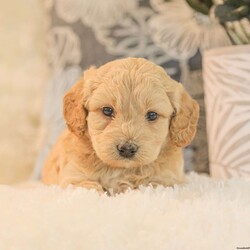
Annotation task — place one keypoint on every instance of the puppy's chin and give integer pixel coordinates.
(119, 162)
(123, 163)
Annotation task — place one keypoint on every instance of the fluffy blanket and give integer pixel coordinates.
(202, 214)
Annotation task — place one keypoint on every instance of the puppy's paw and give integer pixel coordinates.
(91, 185)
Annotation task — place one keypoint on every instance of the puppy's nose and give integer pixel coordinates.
(127, 150)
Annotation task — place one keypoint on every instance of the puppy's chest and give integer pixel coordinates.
(122, 179)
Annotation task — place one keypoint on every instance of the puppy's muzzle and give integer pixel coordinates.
(127, 150)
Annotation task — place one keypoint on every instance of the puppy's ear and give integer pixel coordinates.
(185, 117)
(73, 109)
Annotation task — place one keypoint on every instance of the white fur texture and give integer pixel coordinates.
(203, 214)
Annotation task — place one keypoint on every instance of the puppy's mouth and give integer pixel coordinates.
(126, 155)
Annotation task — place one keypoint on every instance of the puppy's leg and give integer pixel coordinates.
(83, 183)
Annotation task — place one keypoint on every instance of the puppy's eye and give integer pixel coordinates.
(151, 116)
(108, 111)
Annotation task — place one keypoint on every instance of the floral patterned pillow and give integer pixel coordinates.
(93, 32)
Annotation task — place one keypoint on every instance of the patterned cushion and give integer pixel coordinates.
(93, 32)
(227, 88)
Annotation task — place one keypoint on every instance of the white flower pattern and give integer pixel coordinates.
(182, 34)
(95, 13)
(131, 37)
(64, 47)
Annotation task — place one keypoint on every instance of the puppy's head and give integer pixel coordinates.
(131, 110)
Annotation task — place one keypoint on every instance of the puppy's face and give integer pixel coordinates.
(129, 108)
(128, 120)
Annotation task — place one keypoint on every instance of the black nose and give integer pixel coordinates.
(127, 150)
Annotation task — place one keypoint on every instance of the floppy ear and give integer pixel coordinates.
(73, 109)
(185, 118)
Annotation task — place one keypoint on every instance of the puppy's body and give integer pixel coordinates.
(87, 154)
(83, 167)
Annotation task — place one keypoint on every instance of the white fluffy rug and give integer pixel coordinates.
(203, 214)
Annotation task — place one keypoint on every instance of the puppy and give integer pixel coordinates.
(127, 123)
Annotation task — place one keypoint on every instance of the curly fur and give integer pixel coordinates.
(86, 153)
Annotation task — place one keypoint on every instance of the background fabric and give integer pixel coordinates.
(227, 87)
(92, 32)
(23, 75)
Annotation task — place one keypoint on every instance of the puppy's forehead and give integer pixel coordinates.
(131, 73)
(130, 83)
(134, 67)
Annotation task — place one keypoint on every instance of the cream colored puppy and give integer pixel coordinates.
(127, 123)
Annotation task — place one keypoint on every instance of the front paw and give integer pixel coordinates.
(91, 185)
